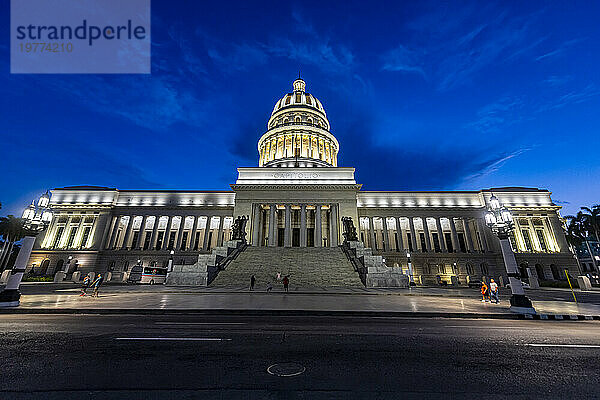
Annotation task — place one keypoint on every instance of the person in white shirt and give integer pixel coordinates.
(494, 291)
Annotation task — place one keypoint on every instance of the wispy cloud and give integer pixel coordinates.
(572, 97)
(506, 111)
(451, 47)
(557, 80)
(560, 50)
(492, 165)
(402, 59)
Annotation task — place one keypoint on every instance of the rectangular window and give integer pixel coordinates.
(184, 239)
(134, 240)
(171, 244)
(449, 245)
(409, 241)
(540, 235)
(436, 242)
(461, 242)
(159, 240)
(527, 239)
(147, 240)
(59, 233)
(86, 235)
(423, 245)
(71, 237)
(196, 241)
(513, 242)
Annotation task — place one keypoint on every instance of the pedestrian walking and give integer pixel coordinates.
(278, 276)
(252, 282)
(494, 291)
(86, 285)
(286, 283)
(484, 291)
(96, 284)
(269, 287)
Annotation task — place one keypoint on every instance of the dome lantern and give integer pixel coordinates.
(298, 133)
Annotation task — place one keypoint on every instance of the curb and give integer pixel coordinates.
(299, 313)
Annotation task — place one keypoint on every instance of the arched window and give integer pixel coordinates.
(287, 100)
(540, 272)
(298, 119)
(484, 268)
(470, 270)
(44, 267)
(523, 270)
(111, 266)
(555, 272)
(59, 265)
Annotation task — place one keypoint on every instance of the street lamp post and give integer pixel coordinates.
(36, 218)
(500, 221)
(170, 263)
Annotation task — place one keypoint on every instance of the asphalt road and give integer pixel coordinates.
(185, 357)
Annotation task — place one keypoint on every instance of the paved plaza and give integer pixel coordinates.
(424, 301)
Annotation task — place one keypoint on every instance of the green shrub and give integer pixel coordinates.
(38, 279)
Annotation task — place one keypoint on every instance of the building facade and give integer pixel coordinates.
(296, 197)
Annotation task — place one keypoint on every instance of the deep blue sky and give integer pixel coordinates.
(421, 96)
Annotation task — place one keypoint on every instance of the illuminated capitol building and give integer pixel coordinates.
(294, 201)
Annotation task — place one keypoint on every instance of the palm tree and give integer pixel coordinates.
(592, 217)
(579, 228)
(12, 230)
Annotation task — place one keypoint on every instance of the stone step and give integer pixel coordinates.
(325, 267)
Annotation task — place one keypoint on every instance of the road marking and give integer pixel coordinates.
(200, 323)
(485, 327)
(582, 346)
(174, 339)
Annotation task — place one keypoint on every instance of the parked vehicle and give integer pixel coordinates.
(154, 275)
(135, 275)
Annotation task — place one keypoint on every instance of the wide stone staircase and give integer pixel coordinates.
(306, 267)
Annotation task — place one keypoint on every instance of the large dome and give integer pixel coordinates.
(298, 133)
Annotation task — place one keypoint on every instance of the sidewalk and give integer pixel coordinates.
(426, 302)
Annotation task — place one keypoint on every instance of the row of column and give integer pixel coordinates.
(269, 225)
(416, 243)
(191, 240)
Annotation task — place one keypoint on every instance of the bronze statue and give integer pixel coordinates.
(238, 231)
(349, 230)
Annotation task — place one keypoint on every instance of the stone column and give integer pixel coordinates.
(106, 238)
(318, 237)
(220, 231)
(128, 232)
(287, 238)
(113, 236)
(206, 233)
(481, 229)
(165, 242)
(255, 224)
(193, 233)
(455, 242)
(333, 242)
(426, 232)
(440, 232)
(180, 233)
(154, 232)
(272, 215)
(468, 237)
(386, 238)
(303, 225)
(413, 235)
(372, 233)
(138, 245)
(399, 235)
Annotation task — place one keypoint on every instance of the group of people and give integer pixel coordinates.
(489, 292)
(88, 283)
(285, 281)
